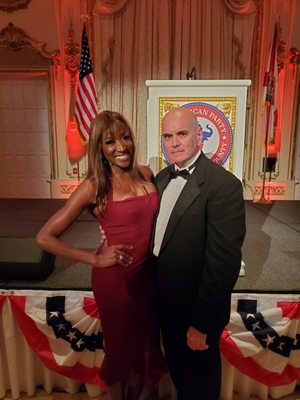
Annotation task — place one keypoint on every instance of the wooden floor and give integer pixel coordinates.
(41, 395)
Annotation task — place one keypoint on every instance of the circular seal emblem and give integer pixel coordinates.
(217, 132)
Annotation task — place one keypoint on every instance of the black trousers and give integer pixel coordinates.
(196, 374)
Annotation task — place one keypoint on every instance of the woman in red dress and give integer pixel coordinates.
(125, 203)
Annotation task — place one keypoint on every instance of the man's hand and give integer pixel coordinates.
(196, 340)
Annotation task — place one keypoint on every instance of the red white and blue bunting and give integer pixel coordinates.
(262, 339)
(63, 329)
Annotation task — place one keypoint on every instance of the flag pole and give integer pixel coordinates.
(263, 199)
(78, 171)
(269, 82)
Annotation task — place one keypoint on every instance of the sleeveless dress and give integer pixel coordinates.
(126, 296)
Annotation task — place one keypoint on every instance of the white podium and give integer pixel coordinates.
(220, 107)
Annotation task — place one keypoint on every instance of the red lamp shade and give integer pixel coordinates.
(272, 149)
(75, 148)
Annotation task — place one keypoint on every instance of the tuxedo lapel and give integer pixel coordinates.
(162, 184)
(190, 192)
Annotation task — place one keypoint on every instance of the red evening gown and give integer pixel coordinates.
(126, 296)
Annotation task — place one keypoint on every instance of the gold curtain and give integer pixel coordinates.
(163, 39)
(130, 48)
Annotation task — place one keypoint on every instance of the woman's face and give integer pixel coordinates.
(118, 147)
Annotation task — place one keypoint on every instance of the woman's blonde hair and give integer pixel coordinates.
(98, 167)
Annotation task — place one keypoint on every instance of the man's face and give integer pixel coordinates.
(181, 136)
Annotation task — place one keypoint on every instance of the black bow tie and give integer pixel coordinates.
(185, 173)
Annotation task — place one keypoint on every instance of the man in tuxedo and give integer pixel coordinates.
(198, 237)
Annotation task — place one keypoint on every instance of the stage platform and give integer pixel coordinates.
(271, 250)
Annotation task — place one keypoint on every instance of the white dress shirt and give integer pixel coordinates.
(168, 201)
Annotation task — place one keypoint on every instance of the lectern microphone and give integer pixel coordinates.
(191, 74)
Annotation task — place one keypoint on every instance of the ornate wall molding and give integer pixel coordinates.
(274, 190)
(17, 50)
(281, 54)
(72, 52)
(13, 5)
(294, 56)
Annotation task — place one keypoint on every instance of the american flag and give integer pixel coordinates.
(86, 100)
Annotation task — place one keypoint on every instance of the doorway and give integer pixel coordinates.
(25, 156)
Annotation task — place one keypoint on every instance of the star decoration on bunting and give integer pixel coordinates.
(269, 339)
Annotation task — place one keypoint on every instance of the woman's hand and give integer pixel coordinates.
(112, 255)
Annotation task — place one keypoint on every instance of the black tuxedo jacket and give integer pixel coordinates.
(200, 256)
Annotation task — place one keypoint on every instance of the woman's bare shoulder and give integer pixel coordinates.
(86, 191)
(90, 184)
(147, 172)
